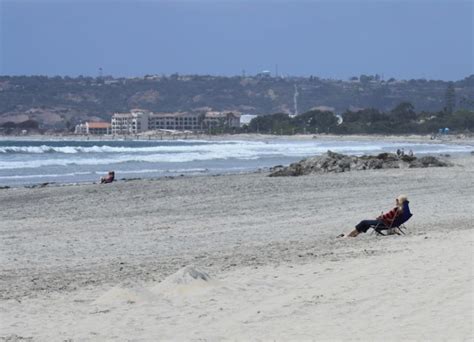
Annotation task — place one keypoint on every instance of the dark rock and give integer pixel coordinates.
(430, 161)
(407, 158)
(42, 185)
(336, 162)
(385, 156)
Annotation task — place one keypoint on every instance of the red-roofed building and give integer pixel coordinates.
(93, 128)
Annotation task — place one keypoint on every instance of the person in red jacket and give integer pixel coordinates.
(386, 219)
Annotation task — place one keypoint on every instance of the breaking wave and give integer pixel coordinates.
(292, 148)
(93, 149)
(21, 161)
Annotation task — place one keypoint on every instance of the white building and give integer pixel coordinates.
(222, 119)
(175, 121)
(130, 123)
(138, 121)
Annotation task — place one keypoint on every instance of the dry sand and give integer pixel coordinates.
(105, 262)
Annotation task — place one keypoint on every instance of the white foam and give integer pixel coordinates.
(186, 147)
(206, 151)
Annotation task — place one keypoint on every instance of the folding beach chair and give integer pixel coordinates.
(397, 225)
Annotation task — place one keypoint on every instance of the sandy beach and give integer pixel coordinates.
(114, 262)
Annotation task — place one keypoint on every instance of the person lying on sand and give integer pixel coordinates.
(385, 220)
(109, 178)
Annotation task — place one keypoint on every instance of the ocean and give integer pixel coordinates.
(28, 162)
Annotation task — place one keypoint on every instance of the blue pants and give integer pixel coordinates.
(364, 225)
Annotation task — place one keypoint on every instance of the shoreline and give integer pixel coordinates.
(451, 138)
(261, 170)
(135, 179)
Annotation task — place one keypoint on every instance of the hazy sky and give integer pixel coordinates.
(336, 39)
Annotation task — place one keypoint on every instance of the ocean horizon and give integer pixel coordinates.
(36, 161)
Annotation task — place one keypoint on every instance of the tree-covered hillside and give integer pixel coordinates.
(63, 101)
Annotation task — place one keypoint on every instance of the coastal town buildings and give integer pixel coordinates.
(222, 119)
(138, 121)
(175, 121)
(130, 123)
(93, 128)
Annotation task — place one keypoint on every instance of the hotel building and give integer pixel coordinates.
(130, 123)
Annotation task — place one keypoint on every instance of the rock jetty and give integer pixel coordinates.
(336, 162)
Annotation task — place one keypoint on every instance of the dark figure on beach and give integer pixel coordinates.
(384, 220)
(108, 179)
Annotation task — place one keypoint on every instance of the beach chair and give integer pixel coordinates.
(397, 226)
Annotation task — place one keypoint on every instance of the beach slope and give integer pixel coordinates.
(119, 261)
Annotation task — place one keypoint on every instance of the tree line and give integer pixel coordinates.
(403, 119)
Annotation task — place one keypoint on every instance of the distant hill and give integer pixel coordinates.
(62, 102)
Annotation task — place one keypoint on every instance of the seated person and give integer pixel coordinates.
(384, 220)
(109, 178)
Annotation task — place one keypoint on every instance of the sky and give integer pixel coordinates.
(329, 39)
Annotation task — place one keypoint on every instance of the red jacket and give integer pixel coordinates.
(389, 217)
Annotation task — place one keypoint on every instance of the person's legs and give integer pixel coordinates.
(361, 227)
(353, 233)
(364, 225)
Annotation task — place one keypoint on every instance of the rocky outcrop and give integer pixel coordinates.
(335, 162)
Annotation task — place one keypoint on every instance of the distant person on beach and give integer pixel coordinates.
(400, 153)
(384, 220)
(108, 179)
(410, 153)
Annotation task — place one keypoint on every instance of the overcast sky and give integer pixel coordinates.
(329, 39)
